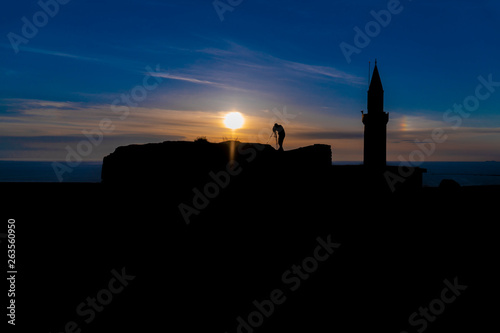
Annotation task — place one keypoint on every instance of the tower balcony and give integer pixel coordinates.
(381, 118)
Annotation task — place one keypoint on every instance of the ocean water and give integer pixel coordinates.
(465, 173)
(23, 171)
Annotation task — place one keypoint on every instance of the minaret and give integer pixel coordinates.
(375, 122)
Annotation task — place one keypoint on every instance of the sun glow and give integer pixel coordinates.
(234, 120)
(404, 124)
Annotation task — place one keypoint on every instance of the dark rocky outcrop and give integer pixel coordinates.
(185, 162)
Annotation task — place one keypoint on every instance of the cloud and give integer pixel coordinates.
(188, 79)
(325, 72)
(53, 53)
(198, 81)
(238, 66)
(479, 130)
(243, 56)
(425, 134)
(50, 119)
(119, 62)
(42, 129)
(330, 135)
(22, 105)
(55, 148)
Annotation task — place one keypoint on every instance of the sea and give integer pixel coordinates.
(464, 173)
(43, 172)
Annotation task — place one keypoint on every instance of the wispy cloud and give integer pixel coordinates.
(27, 117)
(191, 79)
(252, 66)
(112, 61)
(21, 105)
(330, 135)
(181, 78)
(53, 53)
(31, 128)
(326, 72)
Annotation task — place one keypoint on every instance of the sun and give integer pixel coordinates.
(234, 120)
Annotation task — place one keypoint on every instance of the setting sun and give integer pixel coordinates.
(234, 120)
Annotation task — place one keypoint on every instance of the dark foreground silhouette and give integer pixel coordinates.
(179, 238)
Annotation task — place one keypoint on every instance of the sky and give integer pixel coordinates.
(84, 77)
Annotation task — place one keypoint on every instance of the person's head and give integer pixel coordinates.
(276, 125)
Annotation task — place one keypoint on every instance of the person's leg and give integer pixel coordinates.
(280, 141)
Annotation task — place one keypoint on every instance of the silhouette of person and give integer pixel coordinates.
(279, 132)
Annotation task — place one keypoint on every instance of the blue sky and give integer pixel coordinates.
(264, 59)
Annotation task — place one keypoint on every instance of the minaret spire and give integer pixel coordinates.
(375, 122)
(376, 93)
